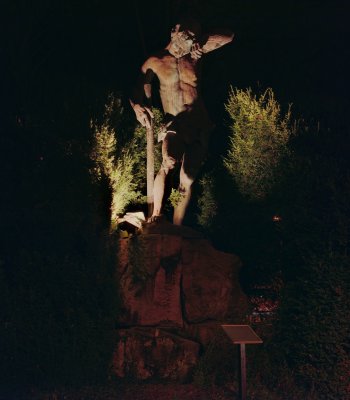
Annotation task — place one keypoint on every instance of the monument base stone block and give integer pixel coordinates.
(176, 290)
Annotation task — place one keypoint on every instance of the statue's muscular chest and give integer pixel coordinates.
(172, 71)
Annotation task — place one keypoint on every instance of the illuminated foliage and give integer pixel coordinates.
(258, 141)
(116, 168)
(119, 156)
(207, 202)
(175, 197)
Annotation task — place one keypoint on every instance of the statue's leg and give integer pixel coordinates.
(158, 190)
(192, 161)
(171, 151)
(185, 188)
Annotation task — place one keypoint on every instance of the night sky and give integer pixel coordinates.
(59, 54)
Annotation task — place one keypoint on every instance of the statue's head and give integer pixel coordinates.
(183, 35)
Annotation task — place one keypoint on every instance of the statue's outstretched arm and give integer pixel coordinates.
(214, 41)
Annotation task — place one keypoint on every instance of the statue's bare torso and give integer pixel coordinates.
(178, 80)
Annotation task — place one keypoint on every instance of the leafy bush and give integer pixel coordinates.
(120, 157)
(309, 244)
(207, 202)
(313, 329)
(57, 289)
(116, 168)
(258, 141)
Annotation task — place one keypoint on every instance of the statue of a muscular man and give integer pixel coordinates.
(187, 124)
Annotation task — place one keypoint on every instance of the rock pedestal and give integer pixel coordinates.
(176, 290)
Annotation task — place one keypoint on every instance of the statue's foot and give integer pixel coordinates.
(155, 219)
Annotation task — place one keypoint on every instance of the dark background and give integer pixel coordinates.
(56, 54)
(59, 62)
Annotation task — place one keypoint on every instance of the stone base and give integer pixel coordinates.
(145, 353)
(171, 279)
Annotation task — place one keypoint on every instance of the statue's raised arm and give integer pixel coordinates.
(216, 40)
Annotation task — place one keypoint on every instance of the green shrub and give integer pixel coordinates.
(57, 273)
(116, 168)
(119, 156)
(258, 141)
(313, 329)
(207, 202)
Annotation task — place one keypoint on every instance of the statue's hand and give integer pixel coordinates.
(196, 51)
(163, 130)
(144, 115)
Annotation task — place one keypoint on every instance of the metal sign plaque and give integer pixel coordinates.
(241, 334)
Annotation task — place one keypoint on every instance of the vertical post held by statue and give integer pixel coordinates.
(150, 169)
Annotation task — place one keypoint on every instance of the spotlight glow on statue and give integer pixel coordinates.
(186, 123)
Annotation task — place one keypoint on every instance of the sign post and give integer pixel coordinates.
(242, 335)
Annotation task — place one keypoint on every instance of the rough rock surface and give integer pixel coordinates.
(145, 353)
(150, 281)
(176, 290)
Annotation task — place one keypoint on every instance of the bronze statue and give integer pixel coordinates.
(186, 123)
